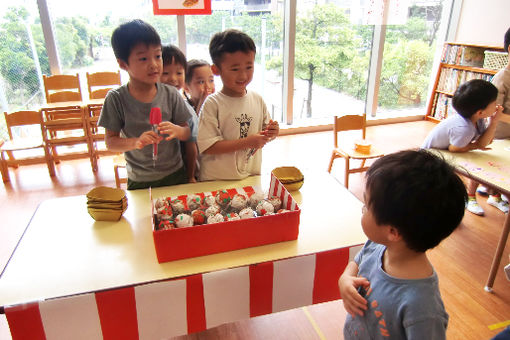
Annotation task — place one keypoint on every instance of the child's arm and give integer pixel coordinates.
(349, 283)
(116, 143)
(486, 138)
(181, 132)
(255, 141)
(191, 160)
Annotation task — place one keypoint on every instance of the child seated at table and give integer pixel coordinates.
(174, 74)
(234, 123)
(126, 111)
(199, 82)
(466, 130)
(413, 200)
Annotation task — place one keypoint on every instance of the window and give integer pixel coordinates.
(264, 24)
(331, 63)
(337, 68)
(409, 50)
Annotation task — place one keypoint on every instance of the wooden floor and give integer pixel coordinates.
(462, 261)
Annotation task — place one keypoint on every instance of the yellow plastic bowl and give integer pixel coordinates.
(291, 178)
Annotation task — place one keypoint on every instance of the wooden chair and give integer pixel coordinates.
(100, 83)
(67, 127)
(96, 137)
(19, 145)
(96, 134)
(119, 162)
(62, 88)
(346, 123)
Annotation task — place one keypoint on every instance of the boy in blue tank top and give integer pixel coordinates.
(413, 200)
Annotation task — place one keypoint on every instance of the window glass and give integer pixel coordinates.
(407, 60)
(332, 61)
(263, 22)
(21, 44)
(83, 31)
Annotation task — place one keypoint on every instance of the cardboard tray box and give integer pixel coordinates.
(181, 243)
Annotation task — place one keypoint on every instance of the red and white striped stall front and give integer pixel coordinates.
(102, 280)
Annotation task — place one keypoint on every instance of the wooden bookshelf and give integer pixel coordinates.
(459, 63)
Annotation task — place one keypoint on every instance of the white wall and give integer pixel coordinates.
(483, 22)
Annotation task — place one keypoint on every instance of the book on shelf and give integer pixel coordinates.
(442, 106)
(472, 56)
(450, 78)
(463, 55)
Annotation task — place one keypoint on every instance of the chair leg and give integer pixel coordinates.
(50, 162)
(331, 162)
(117, 177)
(13, 160)
(4, 168)
(362, 163)
(54, 153)
(346, 180)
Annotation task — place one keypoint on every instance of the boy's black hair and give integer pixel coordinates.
(192, 65)
(506, 42)
(130, 34)
(229, 41)
(171, 53)
(473, 95)
(418, 193)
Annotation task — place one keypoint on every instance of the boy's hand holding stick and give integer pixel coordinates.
(270, 132)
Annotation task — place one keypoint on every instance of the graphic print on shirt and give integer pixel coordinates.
(244, 125)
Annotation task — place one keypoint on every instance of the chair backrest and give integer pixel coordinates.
(349, 122)
(68, 120)
(100, 83)
(21, 118)
(62, 88)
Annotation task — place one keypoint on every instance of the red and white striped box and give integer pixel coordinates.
(181, 243)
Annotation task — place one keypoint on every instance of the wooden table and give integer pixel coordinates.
(64, 254)
(491, 168)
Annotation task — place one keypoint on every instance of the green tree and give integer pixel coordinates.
(73, 41)
(325, 47)
(405, 74)
(17, 67)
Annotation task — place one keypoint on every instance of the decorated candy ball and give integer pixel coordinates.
(177, 206)
(193, 201)
(212, 210)
(198, 216)
(238, 202)
(160, 203)
(165, 210)
(223, 198)
(247, 213)
(165, 225)
(276, 202)
(232, 217)
(255, 198)
(264, 208)
(215, 218)
(183, 220)
(209, 200)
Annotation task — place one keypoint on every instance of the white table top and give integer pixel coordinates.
(65, 252)
(490, 167)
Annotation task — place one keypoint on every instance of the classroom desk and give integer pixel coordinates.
(491, 168)
(67, 259)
